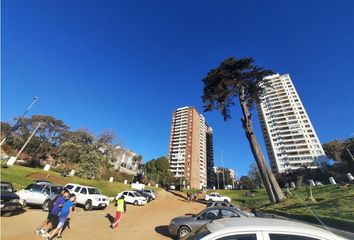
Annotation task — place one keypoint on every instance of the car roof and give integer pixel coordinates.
(267, 224)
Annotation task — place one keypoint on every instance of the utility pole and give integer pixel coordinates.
(223, 169)
(19, 120)
(24, 145)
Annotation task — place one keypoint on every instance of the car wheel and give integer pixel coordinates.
(24, 204)
(225, 200)
(88, 205)
(136, 203)
(45, 205)
(183, 231)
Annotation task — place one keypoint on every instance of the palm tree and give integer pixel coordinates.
(240, 79)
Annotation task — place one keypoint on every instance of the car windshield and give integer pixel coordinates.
(6, 187)
(94, 191)
(34, 187)
(199, 234)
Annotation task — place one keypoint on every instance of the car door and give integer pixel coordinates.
(127, 198)
(82, 195)
(76, 191)
(35, 194)
(131, 197)
(218, 197)
(204, 218)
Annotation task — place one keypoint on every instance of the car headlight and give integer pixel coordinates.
(172, 222)
(97, 199)
(15, 200)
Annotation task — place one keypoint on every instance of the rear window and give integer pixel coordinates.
(6, 187)
(56, 189)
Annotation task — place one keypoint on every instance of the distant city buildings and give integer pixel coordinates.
(290, 138)
(123, 161)
(191, 147)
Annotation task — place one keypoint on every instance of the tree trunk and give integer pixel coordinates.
(274, 192)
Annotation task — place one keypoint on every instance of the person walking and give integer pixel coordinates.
(64, 216)
(121, 208)
(54, 209)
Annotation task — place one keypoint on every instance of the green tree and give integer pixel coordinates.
(240, 79)
(255, 176)
(90, 162)
(340, 150)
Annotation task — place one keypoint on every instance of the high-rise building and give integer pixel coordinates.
(290, 138)
(190, 146)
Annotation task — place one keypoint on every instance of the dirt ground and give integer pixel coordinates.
(139, 222)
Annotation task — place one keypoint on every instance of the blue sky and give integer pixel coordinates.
(126, 65)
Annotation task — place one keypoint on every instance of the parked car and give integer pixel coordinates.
(144, 194)
(10, 201)
(132, 197)
(151, 192)
(39, 194)
(182, 226)
(216, 197)
(261, 229)
(172, 187)
(226, 204)
(88, 197)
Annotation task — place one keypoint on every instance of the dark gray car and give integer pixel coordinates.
(181, 226)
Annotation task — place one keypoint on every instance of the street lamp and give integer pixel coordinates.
(19, 120)
(223, 169)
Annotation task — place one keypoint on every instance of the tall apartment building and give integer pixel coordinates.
(290, 138)
(188, 151)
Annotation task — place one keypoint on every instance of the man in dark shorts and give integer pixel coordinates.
(52, 219)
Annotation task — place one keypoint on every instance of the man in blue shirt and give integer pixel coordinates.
(65, 215)
(54, 210)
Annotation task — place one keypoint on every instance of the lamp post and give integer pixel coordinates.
(24, 145)
(223, 169)
(19, 120)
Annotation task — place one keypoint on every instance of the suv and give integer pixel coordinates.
(39, 194)
(89, 197)
(9, 200)
(216, 197)
(132, 197)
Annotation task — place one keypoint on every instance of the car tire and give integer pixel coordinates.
(88, 205)
(225, 200)
(45, 205)
(183, 231)
(136, 203)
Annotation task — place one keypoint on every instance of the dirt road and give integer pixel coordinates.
(146, 222)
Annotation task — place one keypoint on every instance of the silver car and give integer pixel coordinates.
(39, 194)
(182, 226)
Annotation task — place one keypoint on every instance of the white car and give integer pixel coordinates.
(88, 197)
(261, 229)
(132, 197)
(216, 197)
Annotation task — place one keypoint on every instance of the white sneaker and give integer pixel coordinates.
(38, 231)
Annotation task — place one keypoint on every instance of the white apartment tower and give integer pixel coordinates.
(188, 150)
(290, 138)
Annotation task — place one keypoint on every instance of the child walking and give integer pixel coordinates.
(65, 215)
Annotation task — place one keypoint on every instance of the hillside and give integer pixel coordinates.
(21, 176)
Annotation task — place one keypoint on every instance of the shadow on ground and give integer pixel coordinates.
(163, 230)
(13, 213)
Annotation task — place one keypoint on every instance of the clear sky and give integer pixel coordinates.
(126, 65)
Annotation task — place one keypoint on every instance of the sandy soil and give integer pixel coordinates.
(144, 222)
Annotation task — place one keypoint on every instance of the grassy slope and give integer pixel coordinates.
(334, 206)
(19, 176)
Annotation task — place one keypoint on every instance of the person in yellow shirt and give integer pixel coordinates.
(121, 208)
